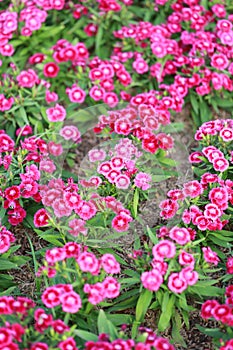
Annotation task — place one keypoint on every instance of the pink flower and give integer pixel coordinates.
(56, 114)
(212, 211)
(12, 193)
(72, 199)
(27, 78)
(220, 164)
(176, 283)
(51, 70)
(89, 263)
(28, 188)
(51, 96)
(180, 235)
(219, 196)
(71, 302)
(121, 222)
(96, 155)
(109, 264)
(54, 255)
(150, 144)
(122, 181)
(210, 256)
(164, 249)
(49, 196)
(38, 346)
(77, 226)
(189, 275)
(207, 308)
(4, 243)
(86, 210)
(51, 297)
(117, 163)
(96, 93)
(219, 10)
(140, 66)
(165, 141)
(96, 292)
(91, 29)
(72, 249)
(70, 132)
(111, 99)
(226, 134)
(152, 280)
(229, 265)
(122, 126)
(111, 287)
(55, 148)
(193, 189)
(186, 258)
(41, 218)
(61, 208)
(169, 208)
(76, 94)
(142, 180)
(219, 61)
(68, 344)
(47, 166)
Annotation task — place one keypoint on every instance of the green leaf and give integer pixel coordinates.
(224, 103)
(135, 202)
(205, 112)
(8, 291)
(152, 236)
(7, 265)
(176, 327)
(105, 326)
(23, 115)
(214, 333)
(143, 303)
(202, 290)
(125, 304)
(167, 311)
(86, 335)
(194, 103)
(119, 319)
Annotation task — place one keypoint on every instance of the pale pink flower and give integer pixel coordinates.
(142, 181)
(109, 264)
(70, 132)
(96, 155)
(47, 166)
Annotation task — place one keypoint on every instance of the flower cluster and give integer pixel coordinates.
(215, 138)
(165, 251)
(220, 312)
(86, 264)
(6, 238)
(21, 167)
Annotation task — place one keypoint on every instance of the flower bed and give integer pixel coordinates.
(120, 71)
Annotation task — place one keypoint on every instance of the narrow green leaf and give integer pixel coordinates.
(86, 335)
(143, 304)
(167, 311)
